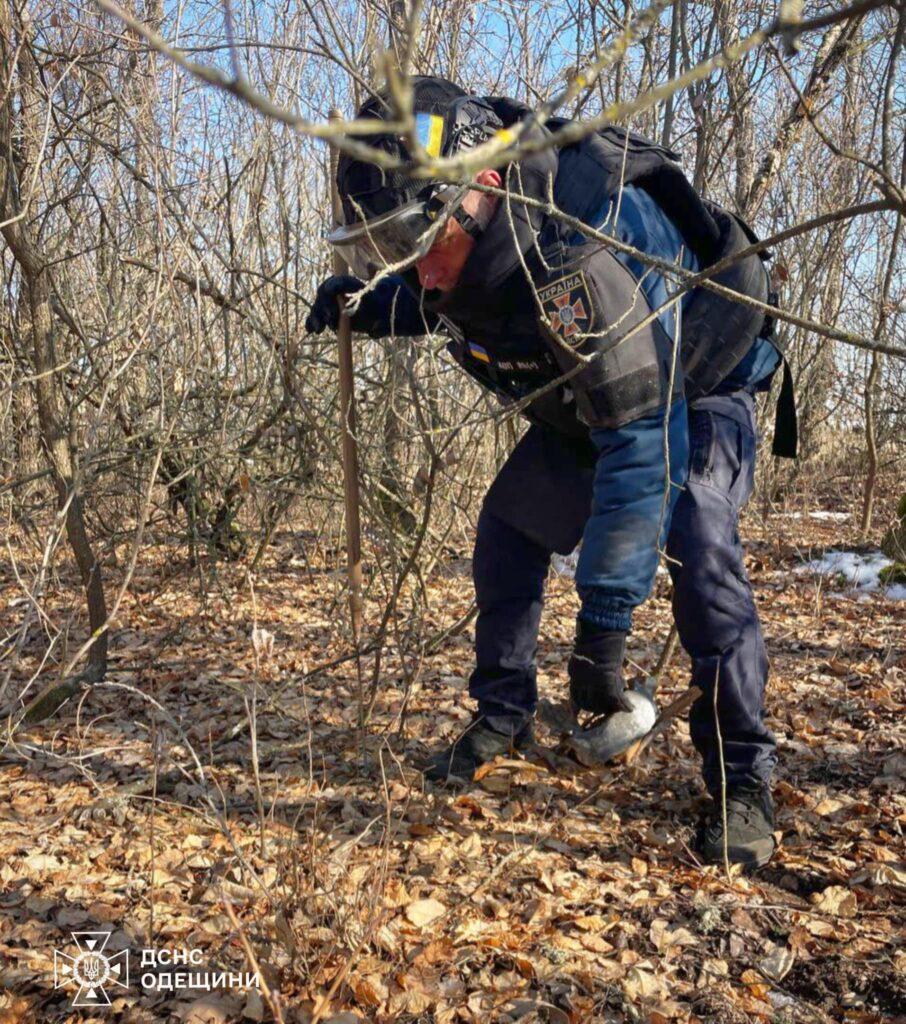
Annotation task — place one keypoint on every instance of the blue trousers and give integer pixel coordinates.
(713, 606)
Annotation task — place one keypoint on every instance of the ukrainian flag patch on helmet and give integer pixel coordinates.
(429, 130)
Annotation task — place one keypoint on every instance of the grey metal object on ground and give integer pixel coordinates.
(602, 743)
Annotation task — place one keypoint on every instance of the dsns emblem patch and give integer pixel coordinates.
(566, 304)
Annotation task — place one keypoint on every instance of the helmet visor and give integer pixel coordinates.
(399, 237)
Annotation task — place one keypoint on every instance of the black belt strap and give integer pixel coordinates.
(786, 428)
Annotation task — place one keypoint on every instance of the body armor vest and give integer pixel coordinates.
(717, 332)
(492, 314)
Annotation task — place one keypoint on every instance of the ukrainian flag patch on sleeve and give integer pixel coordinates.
(477, 352)
(429, 130)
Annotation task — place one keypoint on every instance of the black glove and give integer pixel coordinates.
(373, 317)
(596, 670)
(325, 310)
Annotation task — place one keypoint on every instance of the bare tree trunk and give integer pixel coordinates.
(836, 45)
(728, 18)
(36, 295)
(671, 71)
(871, 441)
(393, 484)
(818, 376)
(700, 104)
(871, 445)
(396, 30)
(26, 453)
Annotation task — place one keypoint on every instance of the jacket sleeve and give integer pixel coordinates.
(392, 310)
(629, 519)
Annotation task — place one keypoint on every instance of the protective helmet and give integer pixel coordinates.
(390, 216)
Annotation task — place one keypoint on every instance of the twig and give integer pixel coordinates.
(243, 90)
(506, 145)
(251, 710)
(723, 771)
(323, 1004)
(273, 999)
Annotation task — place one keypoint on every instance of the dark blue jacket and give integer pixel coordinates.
(632, 504)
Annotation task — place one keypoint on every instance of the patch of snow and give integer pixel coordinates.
(821, 516)
(861, 571)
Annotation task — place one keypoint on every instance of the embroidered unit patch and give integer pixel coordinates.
(566, 304)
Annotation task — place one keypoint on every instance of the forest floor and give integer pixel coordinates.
(541, 893)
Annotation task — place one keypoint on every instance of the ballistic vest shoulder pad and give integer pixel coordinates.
(593, 169)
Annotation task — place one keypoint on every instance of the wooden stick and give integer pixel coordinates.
(667, 652)
(348, 427)
(664, 719)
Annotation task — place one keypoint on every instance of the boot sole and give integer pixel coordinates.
(446, 778)
(755, 855)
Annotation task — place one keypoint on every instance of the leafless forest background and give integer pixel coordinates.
(169, 433)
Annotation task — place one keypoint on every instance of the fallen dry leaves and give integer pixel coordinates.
(545, 892)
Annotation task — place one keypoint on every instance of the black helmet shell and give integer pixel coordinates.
(372, 191)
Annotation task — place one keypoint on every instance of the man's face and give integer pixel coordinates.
(442, 265)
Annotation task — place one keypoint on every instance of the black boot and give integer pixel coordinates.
(478, 744)
(750, 828)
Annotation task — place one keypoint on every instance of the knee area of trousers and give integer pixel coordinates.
(702, 570)
(688, 537)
